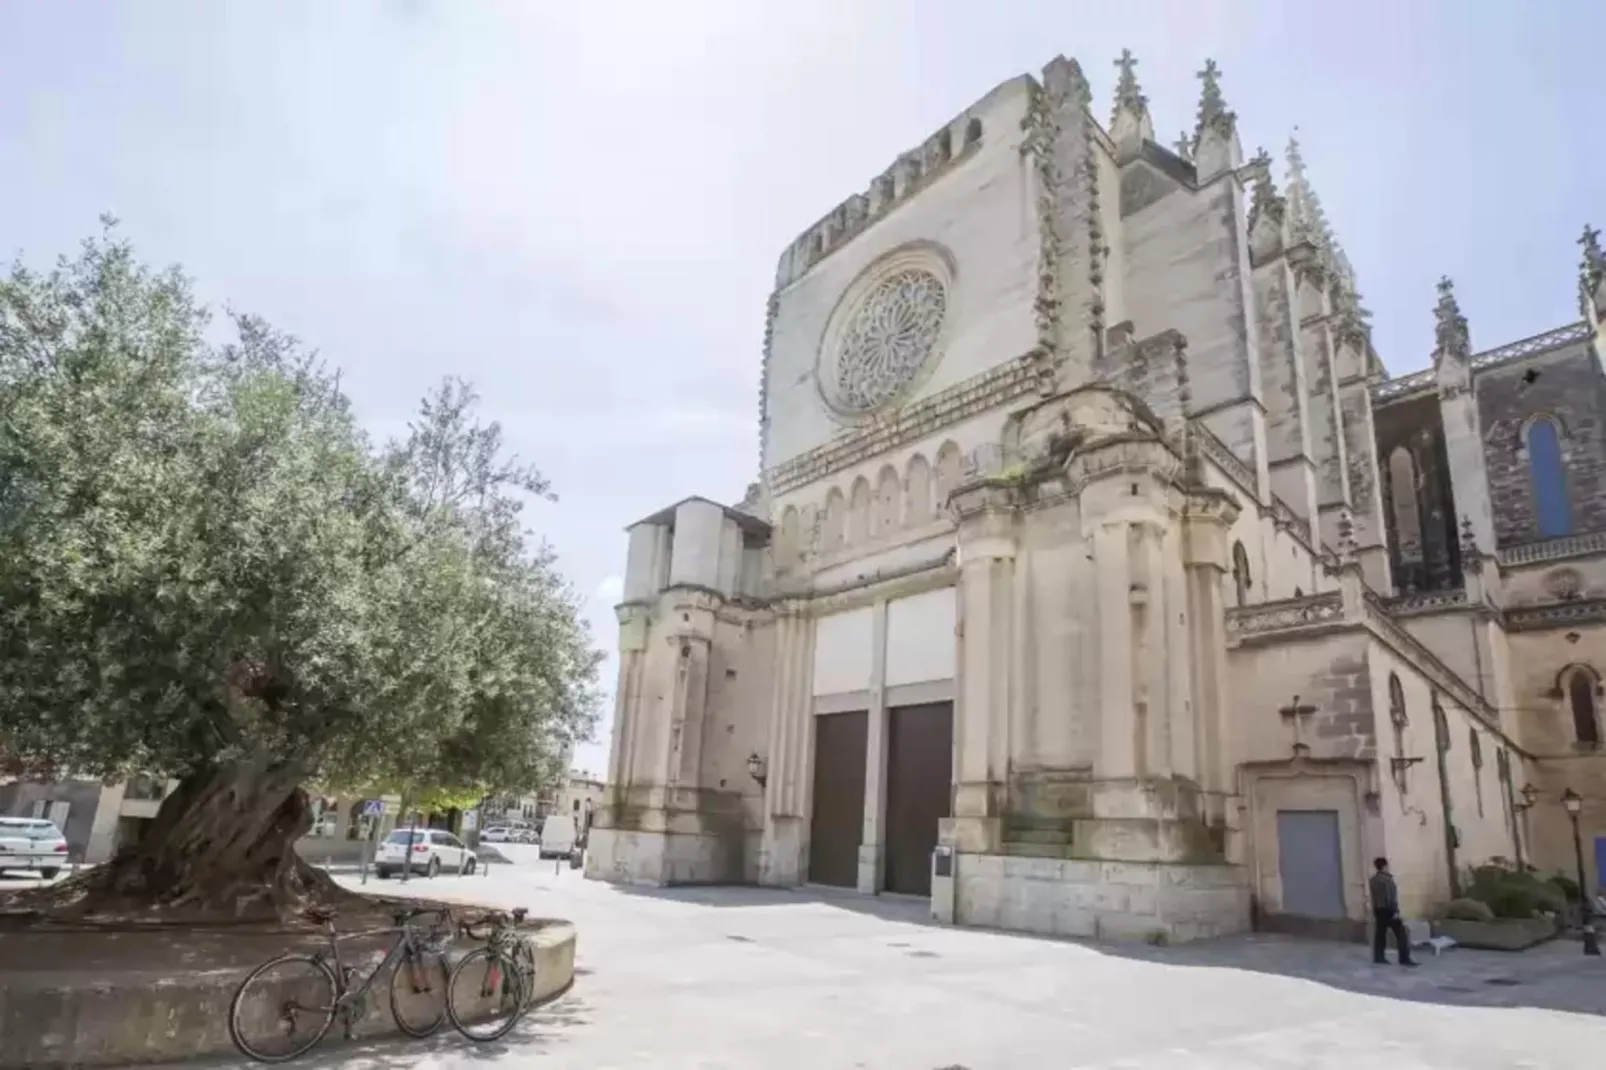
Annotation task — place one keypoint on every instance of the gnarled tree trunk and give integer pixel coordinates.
(221, 845)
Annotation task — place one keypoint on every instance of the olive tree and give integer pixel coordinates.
(208, 571)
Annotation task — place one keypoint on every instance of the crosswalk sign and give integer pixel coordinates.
(373, 808)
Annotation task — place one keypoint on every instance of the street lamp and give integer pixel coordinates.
(1575, 806)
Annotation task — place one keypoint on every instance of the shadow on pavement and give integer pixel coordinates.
(1554, 976)
(542, 1031)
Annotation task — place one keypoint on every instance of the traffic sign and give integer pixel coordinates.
(373, 808)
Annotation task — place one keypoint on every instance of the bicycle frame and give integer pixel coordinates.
(348, 996)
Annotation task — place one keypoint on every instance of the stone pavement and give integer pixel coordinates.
(742, 978)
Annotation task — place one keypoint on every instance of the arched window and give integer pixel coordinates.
(859, 513)
(1403, 503)
(1476, 747)
(1399, 719)
(1240, 573)
(1441, 726)
(888, 506)
(1581, 686)
(917, 508)
(1552, 510)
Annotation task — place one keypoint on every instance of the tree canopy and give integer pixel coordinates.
(205, 561)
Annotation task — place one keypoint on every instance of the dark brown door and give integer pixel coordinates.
(838, 823)
(920, 742)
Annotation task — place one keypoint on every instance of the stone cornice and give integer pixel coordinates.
(913, 422)
(1562, 549)
(1565, 614)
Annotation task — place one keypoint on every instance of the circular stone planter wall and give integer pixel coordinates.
(85, 1017)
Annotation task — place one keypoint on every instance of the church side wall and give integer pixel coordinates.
(1414, 818)
(741, 665)
(1544, 724)
(1568, 388)
(1330, 674)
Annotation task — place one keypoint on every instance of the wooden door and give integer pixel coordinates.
(920, 743)
(837, 826)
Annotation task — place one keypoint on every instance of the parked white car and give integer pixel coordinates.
(33, 844)
(423, 851)
(496, 834)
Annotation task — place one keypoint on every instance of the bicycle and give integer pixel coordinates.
(319, 986)
(505, 969)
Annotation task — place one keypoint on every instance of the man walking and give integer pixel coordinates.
(1386, 916)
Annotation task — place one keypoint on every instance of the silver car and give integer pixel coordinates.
(34, 844)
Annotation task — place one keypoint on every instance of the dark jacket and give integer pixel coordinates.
(1385, 896)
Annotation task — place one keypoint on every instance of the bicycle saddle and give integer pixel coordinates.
(320, 914)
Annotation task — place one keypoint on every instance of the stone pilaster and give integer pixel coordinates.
(1206, 558)
(634, 621)
(786, 789)
(1285, 381)
(872, 842)
(1117, 753)
(987, 519)
(1363, 463)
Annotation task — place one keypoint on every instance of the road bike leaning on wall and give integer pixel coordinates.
(491, 987)
(287, 1004)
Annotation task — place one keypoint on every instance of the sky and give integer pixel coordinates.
(579, 207)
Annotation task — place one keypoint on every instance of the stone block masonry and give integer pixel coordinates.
(1090, 899)
(1567, 387)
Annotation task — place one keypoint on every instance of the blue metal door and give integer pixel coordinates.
(1310, 863)
(1600, 865)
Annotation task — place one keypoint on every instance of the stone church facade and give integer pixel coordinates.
(1100, 581)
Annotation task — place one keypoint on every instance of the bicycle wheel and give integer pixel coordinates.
(283, 1008)
(524, 962)
(486, 996)
(418, 993)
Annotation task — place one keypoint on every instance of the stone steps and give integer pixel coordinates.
(1027, 849)
(1059, 836)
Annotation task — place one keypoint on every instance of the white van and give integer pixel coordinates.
(557, 836)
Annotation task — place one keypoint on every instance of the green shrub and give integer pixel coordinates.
(1468, 910)
(1513, 894)
(1567, 886)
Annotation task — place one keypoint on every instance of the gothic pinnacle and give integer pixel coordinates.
(1184, 146)
(1127, 94)
(1591, 269)
(1213, 112)
(1265, 200)
(1451, 337)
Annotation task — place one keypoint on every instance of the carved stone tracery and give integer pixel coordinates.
(888, 341)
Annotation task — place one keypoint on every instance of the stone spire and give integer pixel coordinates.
(1451, 338)
(1265, 201)
(1306, 218)
(1213, 111)
(1592, 275)
(1308, 222)
(1130, 125)
(1184, 146)
(1215, 134)
(1267, 210)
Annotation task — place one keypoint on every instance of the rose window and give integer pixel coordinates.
(888, 340)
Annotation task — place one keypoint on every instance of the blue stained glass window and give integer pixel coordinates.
(1551, 507)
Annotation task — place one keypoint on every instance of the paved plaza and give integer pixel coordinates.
(740, 979)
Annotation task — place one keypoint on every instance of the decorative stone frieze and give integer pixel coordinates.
(1287, 615)
(909, 423)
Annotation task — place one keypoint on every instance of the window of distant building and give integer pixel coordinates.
(1552, 510)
